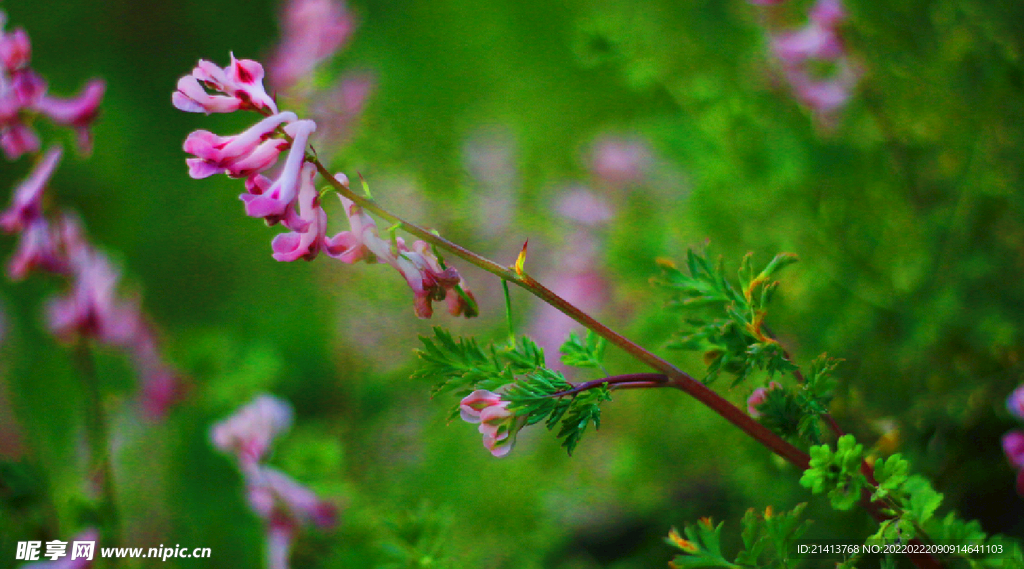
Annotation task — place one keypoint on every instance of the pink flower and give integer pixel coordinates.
(758, 397)
(79, 112)
(814, 41)
(498, 425)
(26, 205)
(240, 155)
(241, 83)
(17, 139)
(251, 430)
(15, 49)
(90, 308)
(620, 161)
(272, 202)
(459, 306)
(350, 246)
(312, 31)
(307, 242)
(1015, 403)
(1013, 446)
(279, 499)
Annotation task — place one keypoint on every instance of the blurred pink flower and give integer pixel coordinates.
(758, 397)
(1013, 446)
(38, 248)
(620, 161)
(312, 30)
(79, 112)
(1015, 403)
(26, 203)
(584, 206)
(284, 503)
(249, 433)
(91, 308)
(17, 139)
(15, 48)
(241, 85)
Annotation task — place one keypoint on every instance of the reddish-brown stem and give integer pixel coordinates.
(628, 381)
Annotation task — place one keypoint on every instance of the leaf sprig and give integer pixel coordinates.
(541, 396)
(767, 541)
(731, 335)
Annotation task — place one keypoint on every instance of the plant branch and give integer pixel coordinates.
(676, 377)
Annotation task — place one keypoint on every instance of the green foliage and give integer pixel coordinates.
(416, 539)
(837, 473)
(767, 541)
(731, 332)
(587, 353)
(461, 365)
(539, 396)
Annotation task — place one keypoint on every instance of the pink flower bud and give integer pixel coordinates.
(1015, 403)
(26, 205)
(79, 112)
(251, 430)
(758, 397)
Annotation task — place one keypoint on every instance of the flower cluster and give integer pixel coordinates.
(498, 425)
(814, 61)
(23, 96)
(1013, 441)
(284, 504)
(90, 307)
(291, 198)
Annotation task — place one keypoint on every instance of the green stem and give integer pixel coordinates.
(100, 465)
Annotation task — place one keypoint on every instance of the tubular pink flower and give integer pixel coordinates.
(273, 202)
(421, 270)
(458, 306)
(26, 205)
(249, 433)
(351, 246)
(238, 156)
(27, 86)
(498, 425)
(307, 242)
(78, 112)
(241, 79)
(191, 97)
(1015, 403)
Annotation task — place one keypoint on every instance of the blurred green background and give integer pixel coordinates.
(907, 217)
